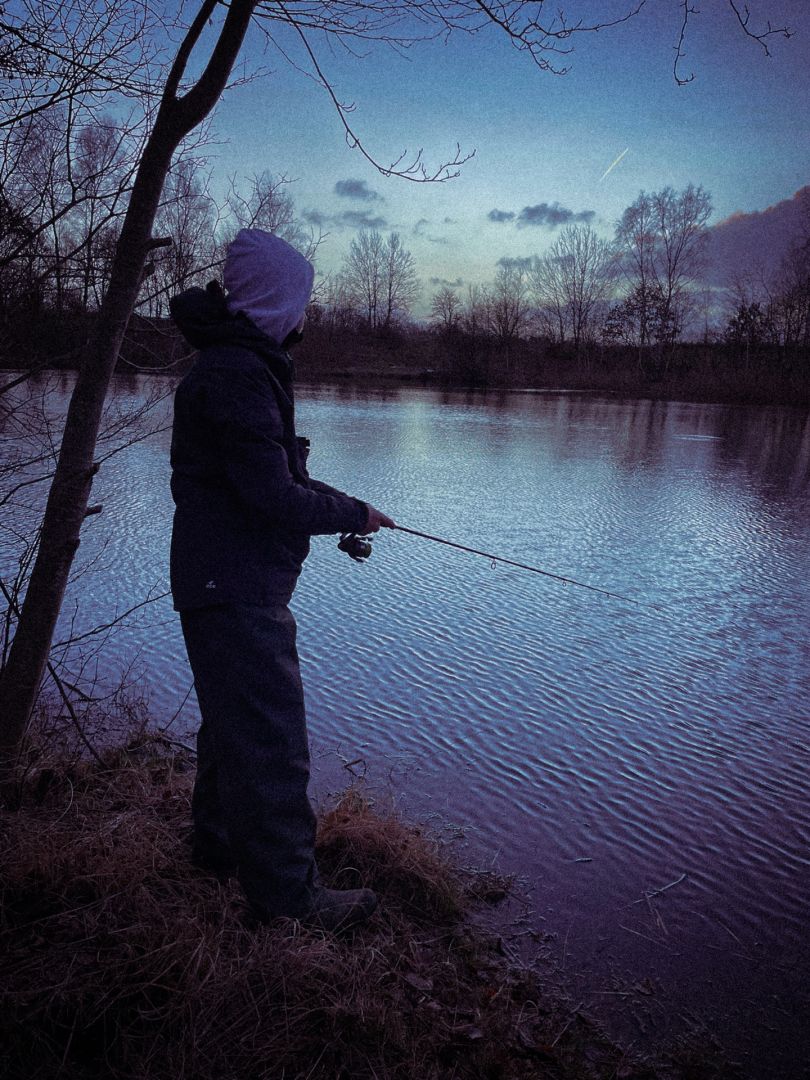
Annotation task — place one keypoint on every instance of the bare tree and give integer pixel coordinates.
(748, 330)
(793, 310)
(63, 65)
(789, 305)
(474, 316)
(635, 240)
(571, 283)
(774, 307)
(69, 53)
(101, 173)
(268, 204)
(379, 275)
(445, 309)
(662, 238)
(333, 307)
(681, 220)
(507, 302)
(362, 272)
(641, 319)
(547, 286)
(401, 286)
(20, 283)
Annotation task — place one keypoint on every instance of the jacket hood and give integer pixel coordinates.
(203, 318)
(267, 280)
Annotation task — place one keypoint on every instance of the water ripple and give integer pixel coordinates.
(556, 724)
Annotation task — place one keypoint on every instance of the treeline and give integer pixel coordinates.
(640, 300)
(632, 311)
(353, 355)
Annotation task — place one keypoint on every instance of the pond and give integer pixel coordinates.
(596, 747)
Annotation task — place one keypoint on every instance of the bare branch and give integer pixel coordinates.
(744, 18)
(415, 170)
(679, 53)
(59, 683)
(74, 638)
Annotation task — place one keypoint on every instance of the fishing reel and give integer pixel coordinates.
(356, 547)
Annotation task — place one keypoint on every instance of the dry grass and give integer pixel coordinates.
(119, 960)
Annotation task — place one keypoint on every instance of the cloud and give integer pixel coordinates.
(315, 217)
(518, 263)
(361, 219)
(346, 219)
(546, 215)
(419, 230)
(551, 215)
(757, 242)
(357, 189)
(444, 283)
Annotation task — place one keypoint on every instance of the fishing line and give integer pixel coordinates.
(359, 548)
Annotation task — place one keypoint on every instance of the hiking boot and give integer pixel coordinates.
(340, 909)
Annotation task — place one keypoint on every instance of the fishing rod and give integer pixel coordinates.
(359, 549)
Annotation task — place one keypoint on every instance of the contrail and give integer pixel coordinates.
(610, 168)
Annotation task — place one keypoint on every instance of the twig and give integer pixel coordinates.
(35, 368)
(180, 708)
(714, 919)
(656, 914)
(72, 713)
(565, 946)
(108, 626)
(568, 1025)
(177, 742)
(652, 940)
(59, 686)
(657, 892)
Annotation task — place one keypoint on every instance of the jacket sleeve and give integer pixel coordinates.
(242, 414)
(326, 489)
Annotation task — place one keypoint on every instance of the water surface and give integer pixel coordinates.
(596, 748)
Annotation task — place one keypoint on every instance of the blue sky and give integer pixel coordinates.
(741, 129)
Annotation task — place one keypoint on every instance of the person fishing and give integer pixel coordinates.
(245, 509)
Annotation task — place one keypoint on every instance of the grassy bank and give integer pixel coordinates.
(119, 960)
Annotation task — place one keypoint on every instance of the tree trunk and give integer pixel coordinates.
(69, 493)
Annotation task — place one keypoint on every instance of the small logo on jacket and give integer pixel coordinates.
(210, 585)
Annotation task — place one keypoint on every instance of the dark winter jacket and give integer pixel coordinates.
(245, 506)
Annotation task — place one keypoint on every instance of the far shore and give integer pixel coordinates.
(707, 371)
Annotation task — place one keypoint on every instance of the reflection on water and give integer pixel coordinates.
(602, 750)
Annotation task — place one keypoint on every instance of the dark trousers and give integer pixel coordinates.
(250, 803)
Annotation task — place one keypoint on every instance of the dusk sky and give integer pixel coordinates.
(542, 143)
